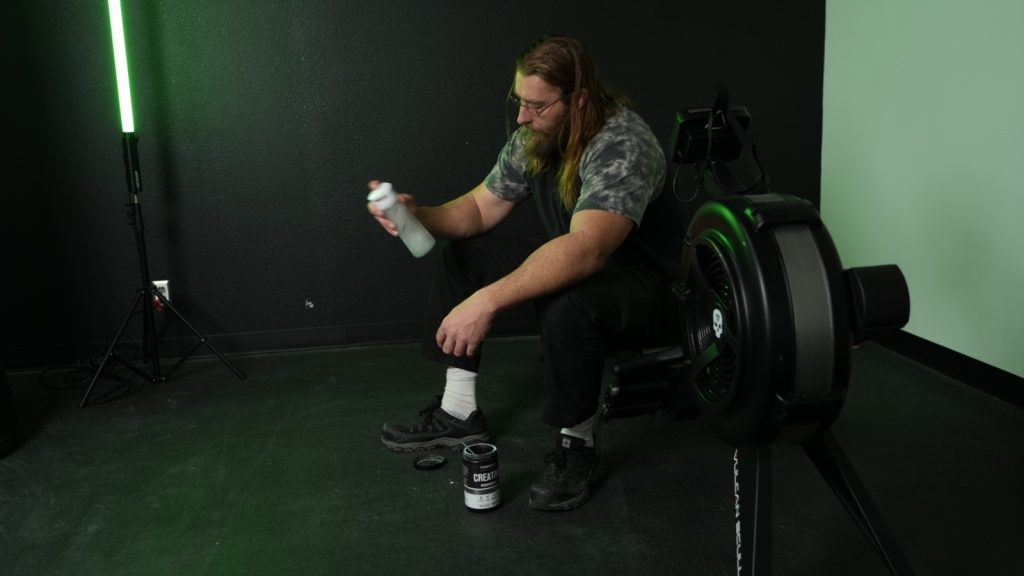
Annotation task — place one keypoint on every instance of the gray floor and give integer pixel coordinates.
(284, 474)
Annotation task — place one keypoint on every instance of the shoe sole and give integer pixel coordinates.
(452, 443)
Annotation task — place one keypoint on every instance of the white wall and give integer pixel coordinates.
(923, 161)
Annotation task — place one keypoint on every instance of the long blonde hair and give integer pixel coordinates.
(565, 64)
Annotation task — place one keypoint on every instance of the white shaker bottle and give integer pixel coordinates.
(415, 236)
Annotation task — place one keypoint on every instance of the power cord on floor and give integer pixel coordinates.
(77, 375)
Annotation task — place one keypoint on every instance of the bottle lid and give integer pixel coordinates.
(383, 196)
(429, 462)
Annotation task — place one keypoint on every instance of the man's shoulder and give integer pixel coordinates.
(624, 128)
(625, 121)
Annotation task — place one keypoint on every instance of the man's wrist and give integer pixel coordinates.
(487, 299)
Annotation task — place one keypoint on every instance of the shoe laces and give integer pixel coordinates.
(427, 414)
(557, 461)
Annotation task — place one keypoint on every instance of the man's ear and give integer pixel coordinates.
(581, 100)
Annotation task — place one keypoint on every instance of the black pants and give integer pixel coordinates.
(622, 307)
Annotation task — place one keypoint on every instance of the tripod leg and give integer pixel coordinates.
(752, 486)
(824, 450)
(150, 344)
(110, 349)
(202, 340)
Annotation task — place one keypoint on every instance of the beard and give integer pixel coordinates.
(545, 149)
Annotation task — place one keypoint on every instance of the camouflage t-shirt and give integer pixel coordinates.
(622, 169)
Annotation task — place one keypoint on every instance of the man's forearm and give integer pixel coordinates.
(556, 265)
(459, 218)
(562, 261)
(551, 267)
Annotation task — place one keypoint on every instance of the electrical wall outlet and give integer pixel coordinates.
(164, 288)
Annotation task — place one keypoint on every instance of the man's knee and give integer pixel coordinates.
(567, 312)
(452, 254)
(485, 258)
(465, 261)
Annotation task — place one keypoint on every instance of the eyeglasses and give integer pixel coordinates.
(534, 109)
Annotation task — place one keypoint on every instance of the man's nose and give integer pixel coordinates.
(524, 116)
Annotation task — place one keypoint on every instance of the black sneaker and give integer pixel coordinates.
(436, 428)
(571, 473)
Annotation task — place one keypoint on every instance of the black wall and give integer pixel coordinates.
(260, 123)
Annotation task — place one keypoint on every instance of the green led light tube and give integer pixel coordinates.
(124, 90)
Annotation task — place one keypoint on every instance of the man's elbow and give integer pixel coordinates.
(592, 262)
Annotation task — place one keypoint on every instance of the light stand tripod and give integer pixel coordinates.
(148, 293)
